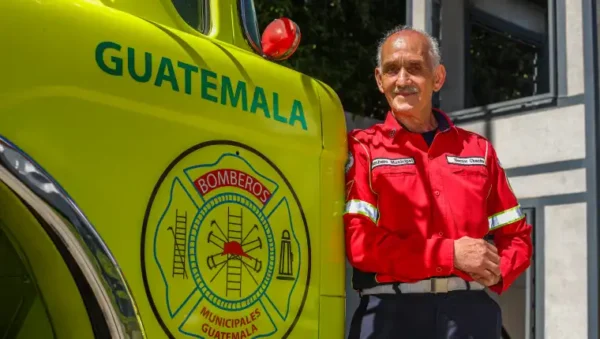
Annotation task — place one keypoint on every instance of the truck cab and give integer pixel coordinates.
(162, 176)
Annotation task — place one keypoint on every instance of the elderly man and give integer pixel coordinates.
(422, 194)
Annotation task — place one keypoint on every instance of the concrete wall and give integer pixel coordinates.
(565, 256)
(573, 49)
(540, 151)
(543, 152)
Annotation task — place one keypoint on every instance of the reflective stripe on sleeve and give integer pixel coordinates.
(505, 217)
(362, 207)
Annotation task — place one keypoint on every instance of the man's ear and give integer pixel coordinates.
(378, 79)
(439, 77)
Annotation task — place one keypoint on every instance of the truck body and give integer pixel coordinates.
(160, 178)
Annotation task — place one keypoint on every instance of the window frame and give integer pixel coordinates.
(490, 22)
(256, 46)
(436, 30)
(530, 285)
(520, 104)
(205, 19)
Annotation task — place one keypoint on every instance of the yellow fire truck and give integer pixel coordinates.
(161, 176)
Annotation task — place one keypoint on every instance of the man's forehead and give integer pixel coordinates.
(399, 42)
(406, 43)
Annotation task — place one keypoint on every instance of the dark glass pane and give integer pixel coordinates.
(191, 11)
(503, 67)
(250, 24)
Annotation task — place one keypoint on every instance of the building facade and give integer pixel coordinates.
(524, 73)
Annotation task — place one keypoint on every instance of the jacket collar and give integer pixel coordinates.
(392, 127)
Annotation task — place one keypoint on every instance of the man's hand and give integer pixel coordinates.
(478, 258)
(486, 282)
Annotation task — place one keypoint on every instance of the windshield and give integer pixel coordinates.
(250, 24)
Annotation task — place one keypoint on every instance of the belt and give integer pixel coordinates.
(433, 285)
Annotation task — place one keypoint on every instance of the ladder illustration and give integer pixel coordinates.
(234, 263)
(179, 241)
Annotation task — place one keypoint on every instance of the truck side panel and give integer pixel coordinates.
(187, 155)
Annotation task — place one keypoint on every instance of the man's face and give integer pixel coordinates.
(406, 76)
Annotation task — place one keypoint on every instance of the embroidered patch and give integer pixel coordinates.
(466, 161)
(392, 162)
(349, 162)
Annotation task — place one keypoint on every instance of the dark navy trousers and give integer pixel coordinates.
(452, 315)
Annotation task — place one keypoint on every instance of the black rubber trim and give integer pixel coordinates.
(94, 312)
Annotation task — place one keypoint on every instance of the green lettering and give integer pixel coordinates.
(260, 101)
(131, 66)
(166, 73)
(298, 114)
(204, 75)
(276, 115)
(117, 62)
(227, 91)
(188, 75)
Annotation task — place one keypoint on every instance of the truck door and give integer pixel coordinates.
(223, 148)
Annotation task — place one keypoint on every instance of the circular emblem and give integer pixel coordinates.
(225, 246)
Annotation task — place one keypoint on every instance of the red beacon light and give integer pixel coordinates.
(280, 39)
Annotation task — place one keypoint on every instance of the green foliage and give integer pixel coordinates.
(339, 44)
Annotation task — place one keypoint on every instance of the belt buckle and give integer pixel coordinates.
(439, 285)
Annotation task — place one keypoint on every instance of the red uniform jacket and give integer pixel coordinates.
(407, 202)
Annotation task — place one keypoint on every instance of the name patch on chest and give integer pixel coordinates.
(466, 161)
(392, 162)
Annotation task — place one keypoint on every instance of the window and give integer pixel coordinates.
(194, 13)
(506, 59)
(250, 24)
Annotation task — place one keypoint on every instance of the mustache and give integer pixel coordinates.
(406, 89)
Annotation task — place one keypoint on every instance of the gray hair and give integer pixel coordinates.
(434, 48)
